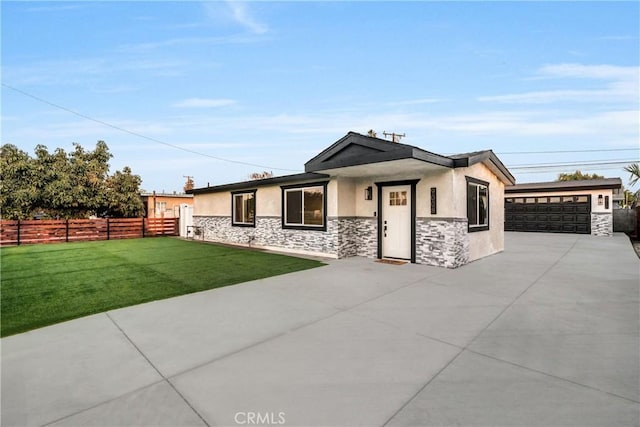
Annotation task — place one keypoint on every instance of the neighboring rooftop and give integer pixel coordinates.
(152, 194)
(585, 184)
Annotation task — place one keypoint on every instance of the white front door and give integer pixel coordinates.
(396, 222)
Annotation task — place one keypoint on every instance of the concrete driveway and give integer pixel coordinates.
(545, 333)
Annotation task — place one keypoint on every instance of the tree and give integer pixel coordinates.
(260, 175)
(123, 198)
(65, 185)
(630, 198)
(577, 175)
(18, 186)
(634, 177)
(634, 171)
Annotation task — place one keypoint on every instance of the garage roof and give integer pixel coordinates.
(585, 184)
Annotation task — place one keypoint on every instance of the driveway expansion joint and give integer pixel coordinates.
(497, 359)
(157, 370)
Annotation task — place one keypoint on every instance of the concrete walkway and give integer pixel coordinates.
(545, 333)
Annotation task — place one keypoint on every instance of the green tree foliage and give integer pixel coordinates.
(634, 173)
(65, 185)
(122, 196)
(577, 175)
(18, 186)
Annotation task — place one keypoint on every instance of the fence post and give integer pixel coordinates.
(108, 230)
(66, 231)
(18, 232)
(143, 236)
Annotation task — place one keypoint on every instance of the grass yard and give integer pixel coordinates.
(46, 284)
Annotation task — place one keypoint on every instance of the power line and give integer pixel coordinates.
(561, 170)
(578, 163)
(604, 150)
(139, 135)
(599, 150)
(572, 165)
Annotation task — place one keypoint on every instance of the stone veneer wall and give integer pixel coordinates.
(601, 224)
(345, 236)
(358, 236)
(442, 242)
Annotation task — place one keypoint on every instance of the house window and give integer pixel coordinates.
(304, 206)
(244, 208)
(161, 207)
(477, 204)
(398, 198)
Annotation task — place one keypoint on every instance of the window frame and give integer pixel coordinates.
(160, 207)
(473, 182)
(235, 223)
(293, 226)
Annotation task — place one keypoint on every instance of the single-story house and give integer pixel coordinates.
(584, 206)
(164, 205)
(365, 196)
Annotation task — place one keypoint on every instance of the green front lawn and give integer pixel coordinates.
(46, 284)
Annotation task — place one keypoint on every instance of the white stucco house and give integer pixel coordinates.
(369, 197)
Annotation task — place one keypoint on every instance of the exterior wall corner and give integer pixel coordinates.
(601, 224)
(442, 242)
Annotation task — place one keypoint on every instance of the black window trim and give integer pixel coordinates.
(243, 224)
(474, 228)
(322, 184)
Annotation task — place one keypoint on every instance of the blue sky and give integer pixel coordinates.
(268, 85)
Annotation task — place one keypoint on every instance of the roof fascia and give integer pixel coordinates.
(550, 189)
(489, 158)
(245, 185)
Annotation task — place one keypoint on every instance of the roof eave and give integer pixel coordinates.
(555, 186)
(246, 185)
(489, 159)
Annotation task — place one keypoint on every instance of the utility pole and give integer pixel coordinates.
(395, 137)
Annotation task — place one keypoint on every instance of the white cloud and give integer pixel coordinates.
(600, 72)
(204, 103)
(545, 97)
(503, 125)
(617, 38)
(55, 8)
(242, 16)
(416, 101)
(92, 71)
(221, 40)
(510, 125)
(620, 86)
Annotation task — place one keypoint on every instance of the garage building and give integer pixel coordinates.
(584, 207)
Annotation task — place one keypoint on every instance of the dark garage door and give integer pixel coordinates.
(556, 214)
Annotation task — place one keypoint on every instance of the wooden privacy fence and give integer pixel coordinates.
(73, 230)
(625, 220)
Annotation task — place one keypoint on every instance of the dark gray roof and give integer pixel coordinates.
(356, 149)
(245, 185)
(585, 184)
(468, 159)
